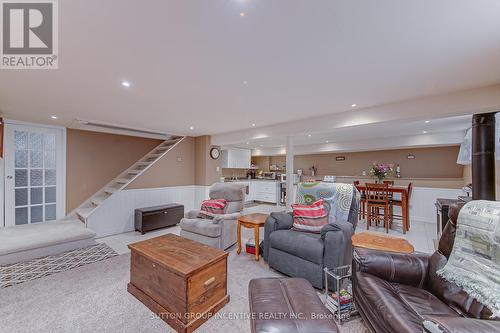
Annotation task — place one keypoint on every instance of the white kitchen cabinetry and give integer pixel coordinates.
(265, 191)
(236, 158)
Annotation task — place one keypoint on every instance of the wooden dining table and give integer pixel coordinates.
(405, 206)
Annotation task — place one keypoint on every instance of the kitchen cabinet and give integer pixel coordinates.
(236, 158)
(265, 191)
(261, 190)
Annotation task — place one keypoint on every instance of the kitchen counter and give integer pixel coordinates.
(452, 183)
(249, 180)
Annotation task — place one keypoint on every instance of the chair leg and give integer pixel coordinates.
(386, 219)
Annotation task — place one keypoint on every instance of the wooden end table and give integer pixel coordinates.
(378, 241)
(254, 221)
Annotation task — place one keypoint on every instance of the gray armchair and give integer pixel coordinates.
(305, 255)
(219, 232)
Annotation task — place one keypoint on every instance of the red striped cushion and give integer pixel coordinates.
(309, 218)
(209, 208)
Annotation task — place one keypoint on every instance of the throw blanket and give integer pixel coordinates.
(337, 196)
(474, 263)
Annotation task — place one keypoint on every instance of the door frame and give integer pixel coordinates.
(10, 122)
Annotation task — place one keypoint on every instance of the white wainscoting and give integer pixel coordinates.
(116, 214)
(423, 199)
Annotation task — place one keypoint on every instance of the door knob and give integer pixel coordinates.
(9, 177)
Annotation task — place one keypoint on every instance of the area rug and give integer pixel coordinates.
(94, 298)
(45, 266)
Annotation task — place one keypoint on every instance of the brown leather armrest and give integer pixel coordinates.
(409, 269)
(448, 324)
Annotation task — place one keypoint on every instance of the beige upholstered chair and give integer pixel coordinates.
(221, 231)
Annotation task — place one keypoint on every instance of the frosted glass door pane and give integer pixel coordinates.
(21, 215)
(20, 140)
(36, 141)
(36, 177)
(21, 158)
(36, 159)
(21, 178)
(50, 212)
(21, 196)
(36, 196)
(36, 214)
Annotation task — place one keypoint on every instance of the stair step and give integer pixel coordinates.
(111, 190)
(83, 213)
(143, 164)
(133, 172)
(99, 199)
(169, 142)
(122, 180)
(154, 156)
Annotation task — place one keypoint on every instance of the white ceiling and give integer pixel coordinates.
(187, 60)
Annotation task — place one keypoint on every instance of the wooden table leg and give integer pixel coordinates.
(404, 211)
(239, 237)
(256, 236)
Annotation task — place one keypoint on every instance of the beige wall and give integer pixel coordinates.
(206, 172)
(437, 162)
(93, 159)
(176, 168)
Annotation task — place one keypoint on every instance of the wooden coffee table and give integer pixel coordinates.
(254, 221)
(182, 281)
(378, 241)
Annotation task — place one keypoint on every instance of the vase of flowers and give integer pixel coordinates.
(380, 171)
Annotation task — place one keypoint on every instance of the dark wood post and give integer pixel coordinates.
(483, 156)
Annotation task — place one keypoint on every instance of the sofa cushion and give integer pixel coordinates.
(304, 245)
(390, 307)
(287, 305)
(204, 227)
(452, 294)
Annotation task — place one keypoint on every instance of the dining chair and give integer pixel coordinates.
(377, 198)
(399, 202)
(389, 182)
(362, 202)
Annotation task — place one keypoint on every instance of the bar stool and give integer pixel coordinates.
(362, 203)
(377, 198)
(399, 202)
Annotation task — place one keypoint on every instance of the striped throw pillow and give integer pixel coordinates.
(310, 218)
(209, 208)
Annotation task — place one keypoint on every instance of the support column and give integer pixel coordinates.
(483, 156)
(289, 172)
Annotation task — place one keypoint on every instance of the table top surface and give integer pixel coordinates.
(378, 241)
(178, 254)
(255, 218)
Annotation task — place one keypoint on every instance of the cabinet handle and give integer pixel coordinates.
(209, 281)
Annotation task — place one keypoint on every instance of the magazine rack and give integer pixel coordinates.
(343, 281)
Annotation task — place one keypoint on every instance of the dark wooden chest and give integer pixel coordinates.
(151, 218)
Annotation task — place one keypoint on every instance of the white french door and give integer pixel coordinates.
(34, 173)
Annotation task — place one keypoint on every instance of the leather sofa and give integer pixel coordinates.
(287, 305)
(396, 293)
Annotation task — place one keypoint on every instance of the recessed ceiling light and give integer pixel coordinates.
(253, 125)
(354, 105)
(248, 143)
(327, 141)
(245, 82)
(126, 84)
(427, 121)
(191, 128)
(53, 117)
(309, 135)
(424, 132)
(242, 14)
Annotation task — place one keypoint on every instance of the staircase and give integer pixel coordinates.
(123, 180)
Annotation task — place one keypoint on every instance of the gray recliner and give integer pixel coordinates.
(303, 254)
(219, 232)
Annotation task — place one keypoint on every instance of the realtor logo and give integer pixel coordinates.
(29, 34)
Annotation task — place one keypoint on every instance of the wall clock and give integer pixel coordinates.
(214, 153)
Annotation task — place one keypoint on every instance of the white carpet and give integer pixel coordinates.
(94, 298)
